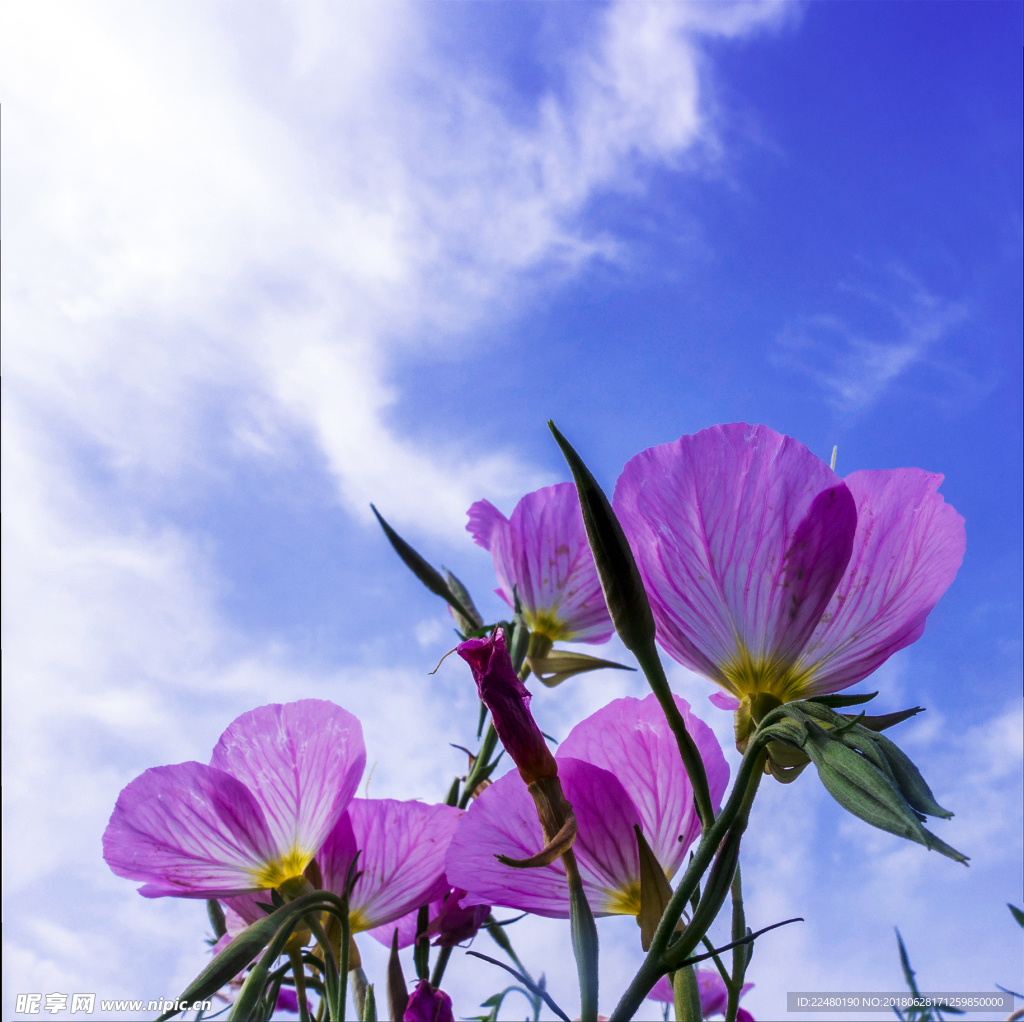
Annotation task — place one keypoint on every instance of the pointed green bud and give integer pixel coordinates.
(369, 1013)
(854, 699)
(398, 992)
(655, 891)
(623, 588)
(585, 947)
(427, 574)
(913, 786)
(867, 791)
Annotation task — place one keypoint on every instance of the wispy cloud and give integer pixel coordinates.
(854, 359)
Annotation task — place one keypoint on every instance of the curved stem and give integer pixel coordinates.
(299, 974)
(653, 967)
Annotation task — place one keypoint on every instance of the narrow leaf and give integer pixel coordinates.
(853, 699)
(425, 572)
(369, 1005)
(585, 947)
(1017, 914)
(560, 664)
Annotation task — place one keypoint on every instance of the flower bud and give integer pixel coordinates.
(509, 702)
(428, 1005)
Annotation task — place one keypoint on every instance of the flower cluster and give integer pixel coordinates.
(762, 570)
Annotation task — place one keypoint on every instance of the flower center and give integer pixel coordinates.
(746, 675)
(275, 872)
(624, 901)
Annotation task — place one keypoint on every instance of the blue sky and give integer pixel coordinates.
(267, 264)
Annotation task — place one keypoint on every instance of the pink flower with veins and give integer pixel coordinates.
(714, 997)
(278, 781)
(620, 767)
(767, 573)
(542, 553)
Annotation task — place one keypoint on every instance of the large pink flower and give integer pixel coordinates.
(619, 768)
(768, 573)
(280, 778)
(542, 553)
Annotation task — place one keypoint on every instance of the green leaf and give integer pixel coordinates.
(1017, 914)
(427, 574)
(469, 624)
(421, 948)
(888, 720)
(216, 913)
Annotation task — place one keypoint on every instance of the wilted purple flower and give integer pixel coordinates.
(402, 846)
(619, 768)
(428, 1005)
(714, 997)
(767, 573)
(543, 554)
(509, 702)
(279, 779)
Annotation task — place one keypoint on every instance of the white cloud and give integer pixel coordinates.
(245, 216)
(854, 365)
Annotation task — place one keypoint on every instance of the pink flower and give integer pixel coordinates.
(543, 554)
(619, 768)
(768, 573)
(287, 1000)
(509, 702)
(428, 1005)
(714, 997)
(279, 779)
(402, 846)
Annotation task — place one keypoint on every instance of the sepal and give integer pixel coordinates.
(560, 664)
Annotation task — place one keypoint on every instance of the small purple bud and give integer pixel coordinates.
(428, 1005)
(509, 702)
(453, 925)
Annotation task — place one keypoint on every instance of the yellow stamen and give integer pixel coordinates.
(274, 873)
(624, 900)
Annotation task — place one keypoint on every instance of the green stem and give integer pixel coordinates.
(584, 938)
(740, 953)
(480, 764)
(654, 966)
(439, 966)
(299, 973)
(650, 663)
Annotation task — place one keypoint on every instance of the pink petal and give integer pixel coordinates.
(741, 535)
(662, 991)
(631, 739)
(724, 701)
(406, 926)
(542, 552)
(907, 550)
(191, 831)
(403, 846)
(483, 518)
(503, 820)
(301, 760)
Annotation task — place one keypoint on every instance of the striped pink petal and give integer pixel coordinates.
(542, 554)
(908, 547)
(402, 846)
(741, 536)
(301, 760)
(188, 830)
(631, 739)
